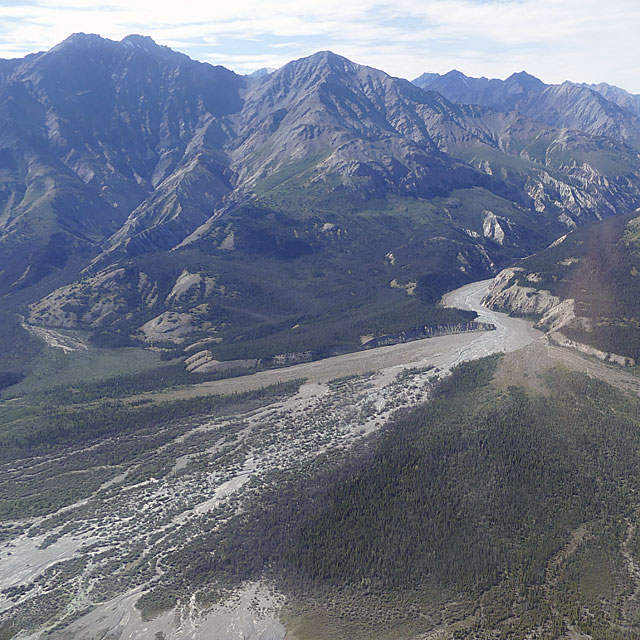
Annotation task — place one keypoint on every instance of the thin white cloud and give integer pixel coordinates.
(582, 40)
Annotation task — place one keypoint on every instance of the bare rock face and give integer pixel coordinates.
(491, 228)
(168, 327)
(552, 312)
(560, 315)
(508, 296)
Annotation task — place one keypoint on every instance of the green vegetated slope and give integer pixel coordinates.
(299, 269)
(598, 267)
(337, 267)
(490, 511)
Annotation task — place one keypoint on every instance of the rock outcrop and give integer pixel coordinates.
(552, 313)
(509, 296)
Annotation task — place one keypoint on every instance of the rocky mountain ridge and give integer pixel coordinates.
(94, 130)
(625, 99)
(596, 109)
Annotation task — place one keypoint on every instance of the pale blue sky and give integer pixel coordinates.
(556, 40)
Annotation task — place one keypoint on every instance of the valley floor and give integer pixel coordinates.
(77, 574)
(443, 352)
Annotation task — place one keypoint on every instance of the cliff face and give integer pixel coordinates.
(553, 313)
(511, 297)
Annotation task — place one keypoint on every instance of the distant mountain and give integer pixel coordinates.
(374, 128)
(93, 130)
(598, 110)
(624, 99)
(261, 73)
(184, 202)
(500, 94)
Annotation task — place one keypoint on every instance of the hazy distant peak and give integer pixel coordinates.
(81, 36)
(323, 59)
(597, 110)
(325, 56)
(261, 73)
(425, 78)
(133, 44)
(605, 86)
(140, 42)
(523, 74)
(620, 96)
(526, 80)
(146, 45)
(80, 40)
(314, 68)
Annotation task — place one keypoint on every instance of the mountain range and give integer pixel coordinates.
(150, 198)
(598, 109)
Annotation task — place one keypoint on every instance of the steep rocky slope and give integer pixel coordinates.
(583, 289)
(93, 130)
(629, 101)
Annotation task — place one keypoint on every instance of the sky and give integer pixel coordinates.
(556, 40)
